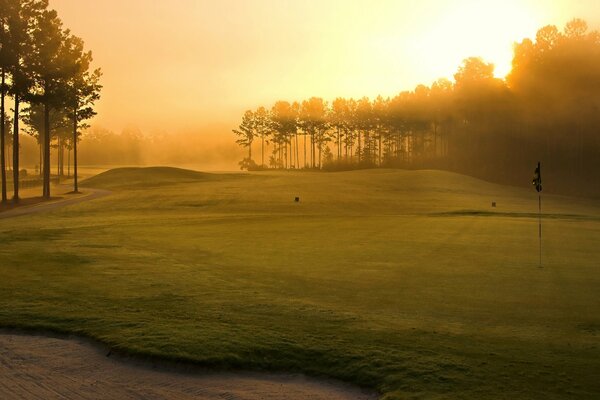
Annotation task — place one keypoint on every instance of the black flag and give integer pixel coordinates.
(537, 178)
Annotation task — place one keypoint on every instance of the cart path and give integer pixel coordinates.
(40, 367)
(86, 195)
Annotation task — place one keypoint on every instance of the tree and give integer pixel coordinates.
(83, 90)
(364, 123)
(313, 120)
(283, 117)
(245, 132)
(547, 108)
(33, 117)
(380, 123)
(338, 120)
(22, 18)
(50, 70)
(441, 99)
(263, 129)
(4, 63)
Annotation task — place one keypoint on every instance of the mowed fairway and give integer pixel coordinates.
(407, 282)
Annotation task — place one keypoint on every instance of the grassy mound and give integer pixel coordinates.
(132, 177)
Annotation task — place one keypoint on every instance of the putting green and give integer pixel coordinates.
(408, 282)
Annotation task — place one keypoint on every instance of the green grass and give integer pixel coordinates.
(407, 282)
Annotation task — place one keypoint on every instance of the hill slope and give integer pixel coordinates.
(133, 177)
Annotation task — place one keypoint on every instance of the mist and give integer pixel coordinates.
(210, 150)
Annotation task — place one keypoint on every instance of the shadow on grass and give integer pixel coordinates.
(481, 213)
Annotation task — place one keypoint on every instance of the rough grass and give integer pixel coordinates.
(404, 281)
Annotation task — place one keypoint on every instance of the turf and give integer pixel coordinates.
(407, 282)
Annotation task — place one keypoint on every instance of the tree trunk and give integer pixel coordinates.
(290, 147)
(304, 149)
(339, 143)
(46, 190)
(262, 151)
(75, 183)
(58, 157)
(16, 151)
(314, 151)
(379, 148)
(62, 157)
(351, 147)
(297, 152)
(320, 146)
(358, 152)
(2, 139)
(41, 155)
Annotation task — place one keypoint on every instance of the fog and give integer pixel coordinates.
(185, 65)
(208, 151)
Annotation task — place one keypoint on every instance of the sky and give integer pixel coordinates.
(195, 65)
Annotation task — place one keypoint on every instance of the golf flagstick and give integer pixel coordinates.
(540, 224)
(537, 182)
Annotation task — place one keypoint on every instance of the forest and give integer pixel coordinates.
(546, 109)
(46, 72)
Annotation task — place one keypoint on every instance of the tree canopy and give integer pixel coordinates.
(47, 69)
(545, 110)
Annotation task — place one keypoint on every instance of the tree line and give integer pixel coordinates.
(546, 109)
(46, 72)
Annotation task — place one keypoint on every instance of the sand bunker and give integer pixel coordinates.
(38, 367)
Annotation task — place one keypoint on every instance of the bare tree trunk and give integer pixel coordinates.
(339, 143)
(358, 147)
(62, 157)
(16, 151)
(290, 156)
(304, 149)
(351, 147)
(297, 151)
(41, 155)
(262, 151)
(314, 151)
(379, 148)
(435, 140)
(46, 186)
(291, 146)
(320, 146)
(58, 157)
(75, 183)
(2, 139)
(346, 144)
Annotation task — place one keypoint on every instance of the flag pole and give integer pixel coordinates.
(540, 224)
(537, 182)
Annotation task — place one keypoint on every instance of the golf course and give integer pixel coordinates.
(405, 282)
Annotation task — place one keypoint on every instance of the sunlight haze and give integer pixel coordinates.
(185, 65)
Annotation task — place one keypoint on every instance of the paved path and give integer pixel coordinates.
(68, 199)
(38, 367)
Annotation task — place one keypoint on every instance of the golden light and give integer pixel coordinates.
(460, 29)
(230, 55)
